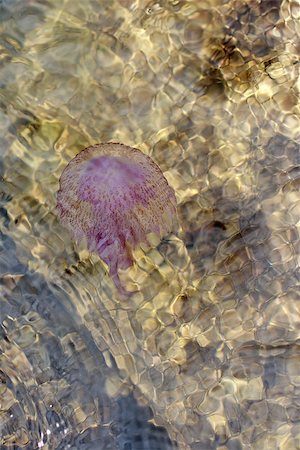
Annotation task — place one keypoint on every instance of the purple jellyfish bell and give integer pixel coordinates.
(115, 196)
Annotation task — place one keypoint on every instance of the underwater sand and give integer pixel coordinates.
(206, 355)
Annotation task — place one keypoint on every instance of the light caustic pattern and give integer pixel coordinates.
(115, 197)
(206, 353)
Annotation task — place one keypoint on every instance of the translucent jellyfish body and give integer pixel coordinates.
(114, 196)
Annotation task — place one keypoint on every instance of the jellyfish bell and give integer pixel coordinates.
(115, 197)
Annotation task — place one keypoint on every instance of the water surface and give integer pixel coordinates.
(206, 355)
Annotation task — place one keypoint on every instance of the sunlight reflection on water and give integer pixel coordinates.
(206, 353)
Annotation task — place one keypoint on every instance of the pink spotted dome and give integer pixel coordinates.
(114, 196)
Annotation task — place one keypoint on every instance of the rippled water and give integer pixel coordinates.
(206, 355)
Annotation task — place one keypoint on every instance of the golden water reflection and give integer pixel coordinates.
(206, 353)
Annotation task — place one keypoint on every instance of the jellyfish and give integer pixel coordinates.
(115, 197)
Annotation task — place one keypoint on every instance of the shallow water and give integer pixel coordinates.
(206, 355)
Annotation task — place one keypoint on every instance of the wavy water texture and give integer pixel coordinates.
(206, 354)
